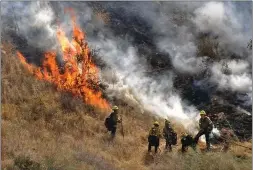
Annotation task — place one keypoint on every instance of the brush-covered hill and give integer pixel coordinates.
(43, 128)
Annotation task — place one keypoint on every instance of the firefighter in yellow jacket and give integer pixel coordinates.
(154, 137)
(206, 127)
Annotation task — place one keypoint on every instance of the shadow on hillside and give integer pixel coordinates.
(147, 158)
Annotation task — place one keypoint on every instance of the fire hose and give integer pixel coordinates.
(237, 143)
(242, 145)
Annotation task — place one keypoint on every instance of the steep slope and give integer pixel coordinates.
(46, 129)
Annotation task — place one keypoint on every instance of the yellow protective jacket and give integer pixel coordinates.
(114, 119)
(155, 131)
(205, 123)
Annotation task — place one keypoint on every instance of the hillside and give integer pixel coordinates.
(43, 128)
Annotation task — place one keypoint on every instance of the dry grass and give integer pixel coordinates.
(55, 131)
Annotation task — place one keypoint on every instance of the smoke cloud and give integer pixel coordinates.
(35, 22)
(221, 20)
(239, 79)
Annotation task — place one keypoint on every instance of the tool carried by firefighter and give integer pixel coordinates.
(122, 128)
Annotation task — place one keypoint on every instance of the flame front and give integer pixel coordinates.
(79, 75)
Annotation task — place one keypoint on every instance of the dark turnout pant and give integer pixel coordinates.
(168, 144)
(113, 131)
(207, 134)
(153, 141)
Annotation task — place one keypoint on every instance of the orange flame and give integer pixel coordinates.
(79, 75)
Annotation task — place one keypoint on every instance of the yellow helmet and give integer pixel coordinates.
(167, 121)
(183, 134)
(156, 123)
(202, 112)
(115, 108)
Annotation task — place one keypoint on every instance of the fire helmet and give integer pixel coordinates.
(167, 121)
(156, 123)
(115, 108)
(202, 112)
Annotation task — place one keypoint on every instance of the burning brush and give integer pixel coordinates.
(79, 74)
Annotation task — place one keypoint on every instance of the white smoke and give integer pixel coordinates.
(35, 22)
(234, 31)
(153, 94)
(149, 93)
(173, 33)
(222, 21)
(239, 79)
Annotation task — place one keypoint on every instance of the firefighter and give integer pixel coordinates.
(186, 141)
(112, 121)
(154, 137)
(168, 135)
(206, 127)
